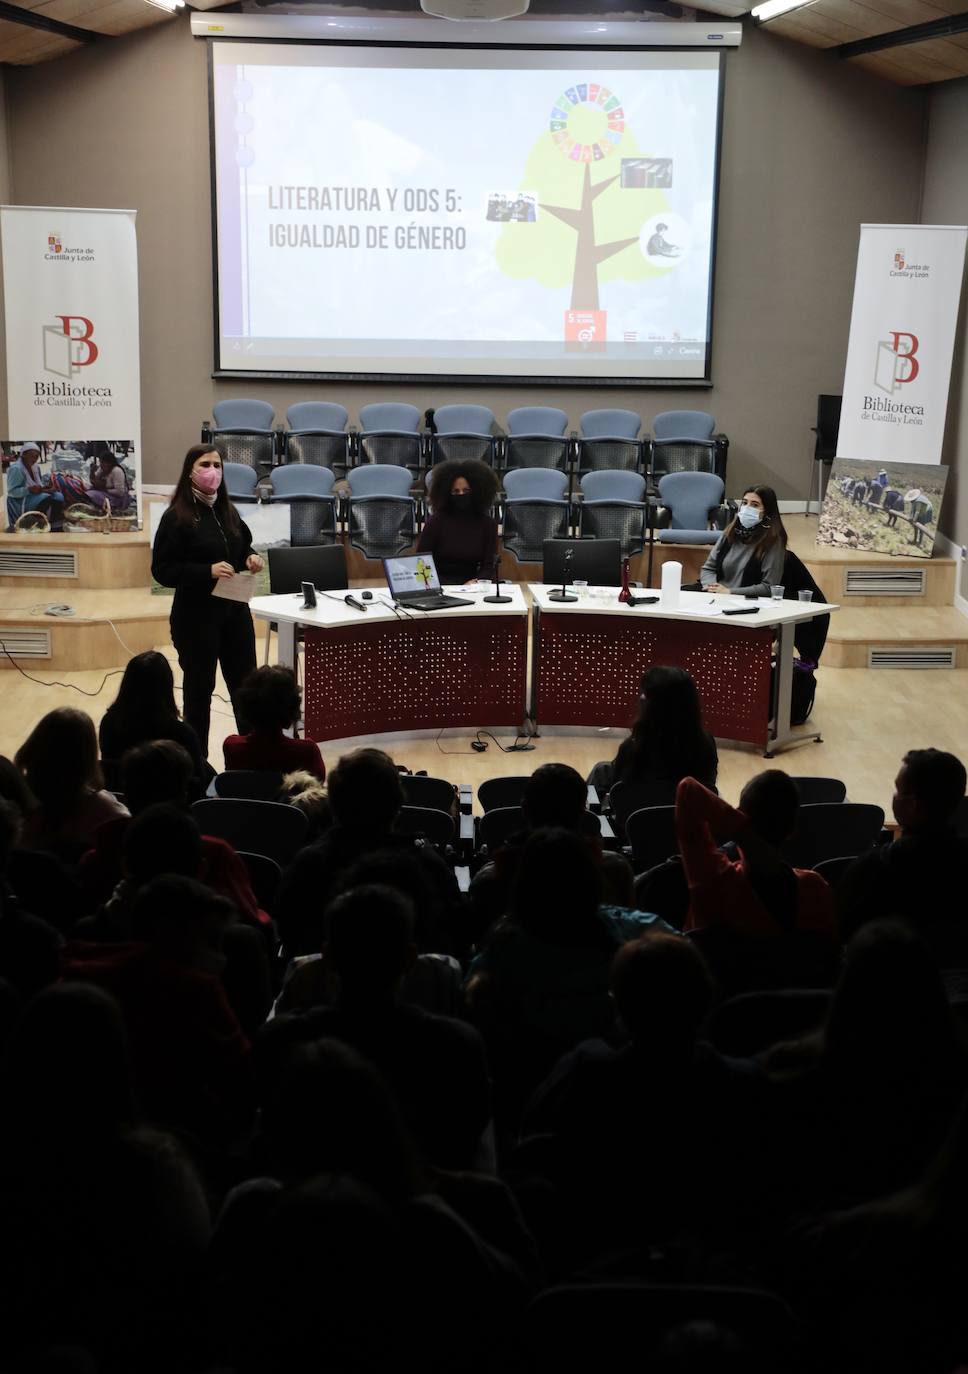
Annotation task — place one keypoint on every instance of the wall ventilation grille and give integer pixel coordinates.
(37, 563)
(915, 657)
(885, 581)
(22, 641)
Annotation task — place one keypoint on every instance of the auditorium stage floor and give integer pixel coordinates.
(869, 718)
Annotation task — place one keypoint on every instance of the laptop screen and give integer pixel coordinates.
(407, 575)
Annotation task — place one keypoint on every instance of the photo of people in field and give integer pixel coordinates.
(885, 508)
(69, 484)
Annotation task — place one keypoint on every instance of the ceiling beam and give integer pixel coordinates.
(902, 38)
(31, 19)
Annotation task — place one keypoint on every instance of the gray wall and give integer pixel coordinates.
(811, 150)
(946, 202)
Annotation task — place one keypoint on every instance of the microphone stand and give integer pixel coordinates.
(496, 599)
(565, 569)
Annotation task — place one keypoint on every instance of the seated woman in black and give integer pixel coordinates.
(145, 710)
(461, 534)
(668, 741)
(750, 553)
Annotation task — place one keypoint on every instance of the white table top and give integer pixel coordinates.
(332, 612)
(702, 606)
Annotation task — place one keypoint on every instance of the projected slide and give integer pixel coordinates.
(486, 213)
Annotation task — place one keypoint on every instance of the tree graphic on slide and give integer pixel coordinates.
(588, 226)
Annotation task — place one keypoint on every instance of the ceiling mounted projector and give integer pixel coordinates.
(474, 10)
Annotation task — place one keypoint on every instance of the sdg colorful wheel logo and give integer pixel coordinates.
(587, 122)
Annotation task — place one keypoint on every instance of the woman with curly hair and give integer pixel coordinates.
(461, 533)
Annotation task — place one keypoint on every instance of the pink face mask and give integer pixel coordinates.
(207, 479)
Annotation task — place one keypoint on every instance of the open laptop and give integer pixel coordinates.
(413, 582)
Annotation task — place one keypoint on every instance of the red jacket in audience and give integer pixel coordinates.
(271, 751)
(721, 892)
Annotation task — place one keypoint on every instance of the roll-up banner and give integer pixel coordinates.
(902, 332)
(73, 452)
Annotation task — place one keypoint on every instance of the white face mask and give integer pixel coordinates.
(749, 516)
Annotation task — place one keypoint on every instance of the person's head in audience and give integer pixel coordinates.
(30, 949)
(270, 700)
(11, 823)
(59, 759)
(68, 1066)
(889, 1014)
(555, 795)
(325, 1109)
(663, 991)
(404, 871)
(927, 790)
(771, 804)
(463, 486)
(13, 787)
(556, 892)
(365, 791)
(890, 1002)
(669, 708)
(368, 942)
(337, 1279)
(308, 794)
(155, 772)
(161, 840)
(183, 921)
(146, 696)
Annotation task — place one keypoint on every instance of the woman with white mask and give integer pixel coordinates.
(749, 555)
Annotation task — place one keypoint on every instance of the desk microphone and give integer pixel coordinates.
(565, 569)
(352, 601)
(496, 599)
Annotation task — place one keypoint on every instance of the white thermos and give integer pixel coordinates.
(671, 584)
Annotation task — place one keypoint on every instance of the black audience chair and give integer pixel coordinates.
(265, 875)
(652, 835)
(815, 791)
(436, 794)
(434, 825)
(747, 1025)
(258, 827)
(497, 826)
(742, 963)
(250, 784)
(567, 1328)
(500, 792)
(628, 797)
(833, 830)
(833, 870)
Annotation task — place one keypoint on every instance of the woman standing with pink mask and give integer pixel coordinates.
(200, 540)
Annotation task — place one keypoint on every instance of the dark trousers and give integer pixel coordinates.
(220, 634)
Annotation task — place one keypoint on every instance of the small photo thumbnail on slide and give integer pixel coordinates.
(512, 207)
(646, 173)
(77, 484)
(665, 239)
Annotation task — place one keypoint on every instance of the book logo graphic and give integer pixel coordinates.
(896, 363)
(69, 346)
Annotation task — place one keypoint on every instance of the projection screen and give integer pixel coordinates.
(397, 212)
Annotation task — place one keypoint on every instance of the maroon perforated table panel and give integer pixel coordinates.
(588, 668)
(415, 674)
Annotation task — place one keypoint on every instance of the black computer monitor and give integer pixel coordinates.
(598, 561)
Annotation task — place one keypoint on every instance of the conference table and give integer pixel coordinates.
(589, 655)
(387, 669)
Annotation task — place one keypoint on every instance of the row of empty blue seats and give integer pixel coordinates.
(536, 436)
(381, 517)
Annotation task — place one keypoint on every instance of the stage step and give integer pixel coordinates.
(897, 637)
(70, 562)
(86, 639)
